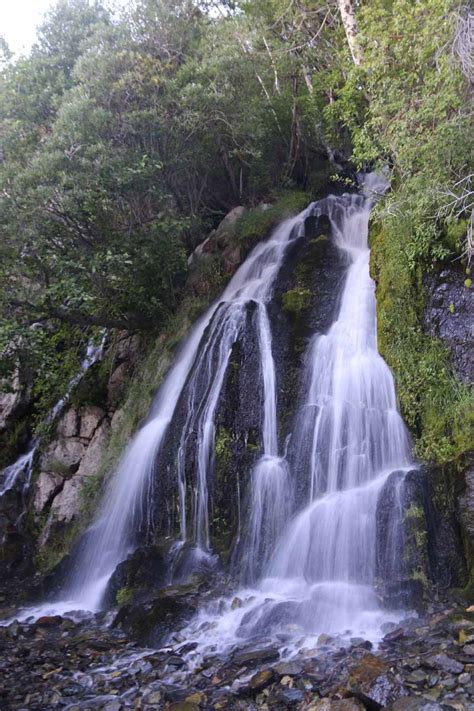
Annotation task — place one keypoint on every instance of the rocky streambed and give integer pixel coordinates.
(57, 663)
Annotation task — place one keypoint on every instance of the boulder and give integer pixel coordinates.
(226, 229)
(68, 425)
(47, 486)
(116, 384)
(90, 463)
(231, 258)
(370, 681)
(63, 456)
(11, 402)
(90, 418)
(68, 503)
(150, 622)
(144, 571)
(127, 347)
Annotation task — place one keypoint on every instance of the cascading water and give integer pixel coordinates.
(307, 540)
(348, 437)
(200, 365)
(21, 470)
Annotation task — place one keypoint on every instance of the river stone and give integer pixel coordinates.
(416, 703)
(369, 679)
(416, 677)
(442, 661)
(286, 696)
(336, 705)
(261, 680)
(254, 657)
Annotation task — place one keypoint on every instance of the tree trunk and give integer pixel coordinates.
(347, 10)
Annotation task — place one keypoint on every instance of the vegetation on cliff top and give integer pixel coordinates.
(126, 136)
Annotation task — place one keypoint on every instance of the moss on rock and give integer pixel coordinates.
(436, 406)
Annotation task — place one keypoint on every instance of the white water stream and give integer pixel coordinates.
(22, 468)
(311, 563)
(200, 364)
(350, 438)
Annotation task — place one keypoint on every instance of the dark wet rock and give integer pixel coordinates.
(151, 621)
(289, 668)
(49, 621)
(261, 680)
(415, 703)
(416, 677)
(141, 573)
(287, 696)
(183, 706)
(394, 635)
(449, 315)
(369, 680)
(255, 656)
(335, 705)
(445, 663)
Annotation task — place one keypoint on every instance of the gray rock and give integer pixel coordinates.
(47, 486)
(63, 456)
(254, 657)
(416, 677)
(90, 418)
(454, 327)
(415, 703)
(68, 503)
(116, 384)
(68, 425)
(447, 664)
(10, 401)
(90, 463)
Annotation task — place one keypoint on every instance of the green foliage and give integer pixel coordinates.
(124, 596)
(435, 405)
(257, 222)
(297, 300)
(223, 442)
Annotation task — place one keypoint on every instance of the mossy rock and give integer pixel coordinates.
(152, 621)
(296, 301)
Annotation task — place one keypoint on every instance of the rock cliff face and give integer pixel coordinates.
(449, 316)
(37, 523)
(69, 470)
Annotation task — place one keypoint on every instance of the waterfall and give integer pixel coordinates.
(307, 544)
(10, 475)
(197, 374)
(347, 440)
(350, 438)
(22, 469)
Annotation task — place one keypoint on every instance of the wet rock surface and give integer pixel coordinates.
(423, 664)
(449, 315)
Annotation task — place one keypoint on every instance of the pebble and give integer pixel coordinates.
(82, 666)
